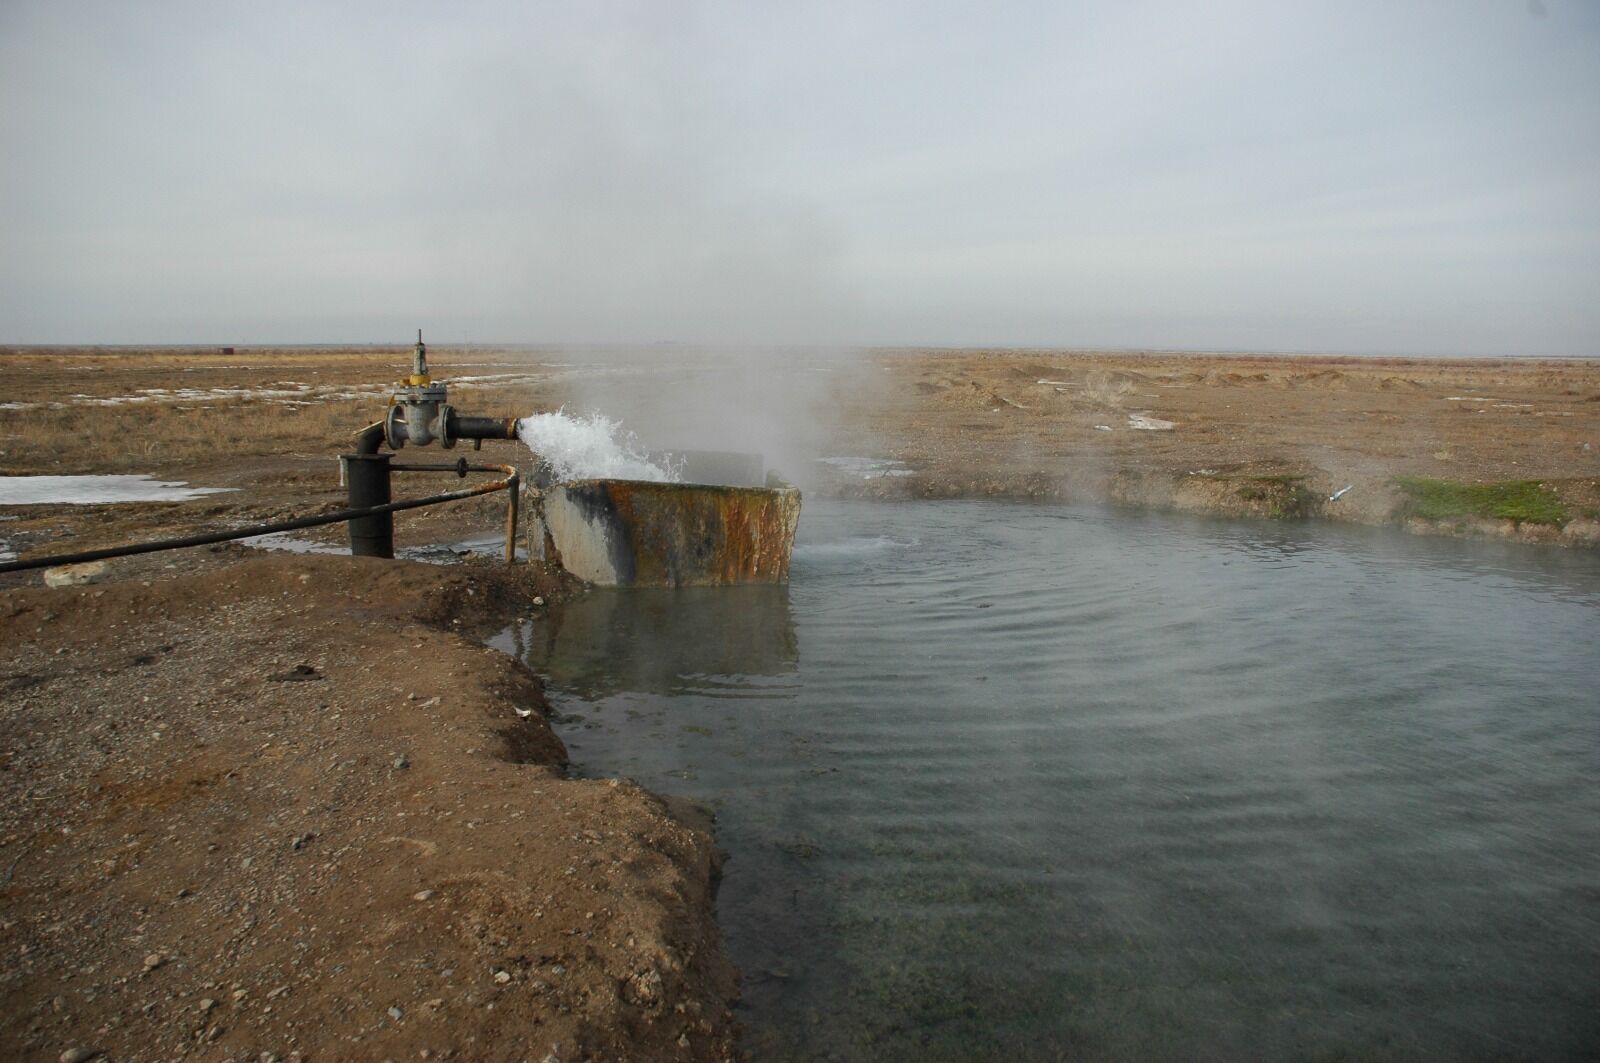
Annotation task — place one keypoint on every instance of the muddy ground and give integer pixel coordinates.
(260, 806)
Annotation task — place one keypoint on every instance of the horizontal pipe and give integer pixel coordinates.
(460, 468)
(336, 517)
(460, 427)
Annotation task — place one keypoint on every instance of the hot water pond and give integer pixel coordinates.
(1012, 782)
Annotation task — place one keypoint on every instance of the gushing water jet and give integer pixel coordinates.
(603, 509)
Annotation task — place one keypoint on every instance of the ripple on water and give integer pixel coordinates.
(1006, 782)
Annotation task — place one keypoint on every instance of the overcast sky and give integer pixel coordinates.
(1386, 176)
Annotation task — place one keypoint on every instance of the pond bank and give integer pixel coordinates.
(1260, 493)
(1498, 448)
(289, 807)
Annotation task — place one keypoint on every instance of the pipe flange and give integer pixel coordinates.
(441, 426)
(394, 427)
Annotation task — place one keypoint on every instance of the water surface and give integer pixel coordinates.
(1009, 782)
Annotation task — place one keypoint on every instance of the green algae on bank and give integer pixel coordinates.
(1520, 501)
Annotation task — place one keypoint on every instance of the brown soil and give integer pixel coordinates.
(1261, 436)
(285, 807)
(1253, 435)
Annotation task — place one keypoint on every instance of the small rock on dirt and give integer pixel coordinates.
(77, 576)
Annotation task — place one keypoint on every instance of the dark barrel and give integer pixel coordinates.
(367, 477)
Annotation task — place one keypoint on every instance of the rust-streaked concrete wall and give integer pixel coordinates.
(631, 533)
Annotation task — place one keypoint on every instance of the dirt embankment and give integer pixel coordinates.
(285, 809)
(1467, 447)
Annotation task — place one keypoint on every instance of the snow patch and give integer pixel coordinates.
(95, 490)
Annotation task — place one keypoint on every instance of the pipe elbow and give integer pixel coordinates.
(370, 438)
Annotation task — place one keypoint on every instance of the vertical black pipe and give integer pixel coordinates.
(367, 476)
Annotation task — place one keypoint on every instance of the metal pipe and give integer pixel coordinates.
(461, 468)
(460, 427)
(369, 438)
(513, 498)
(367, 481)
(511, 517)
(511, 482)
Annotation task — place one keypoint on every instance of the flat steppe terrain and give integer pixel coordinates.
(1507, 448)
(1442, 446)
(289, 805)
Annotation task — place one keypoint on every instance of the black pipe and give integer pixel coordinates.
(367, 477)
(460, 467)
(369, 439)
(336, 517)
(481, 427)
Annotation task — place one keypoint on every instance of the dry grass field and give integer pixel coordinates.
(172, 411)
(265, 423)
(1441, 446)
(1502, 448)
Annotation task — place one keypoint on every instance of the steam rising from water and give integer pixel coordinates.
(852, 548)
(783, 403)
(578, 447)
(954, 797)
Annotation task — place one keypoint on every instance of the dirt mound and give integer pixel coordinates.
(1324, 379)
(961, 395)
(1217, 378)
(1400, 383)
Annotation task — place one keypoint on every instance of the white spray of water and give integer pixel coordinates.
(578, 447)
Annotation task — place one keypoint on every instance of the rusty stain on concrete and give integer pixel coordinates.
(637, 534)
